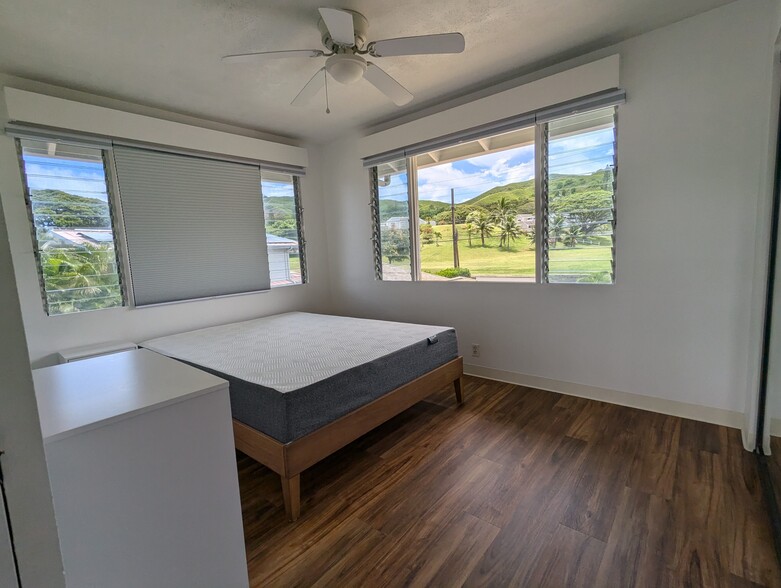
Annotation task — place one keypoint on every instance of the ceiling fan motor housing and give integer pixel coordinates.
(346, 68)
(360, 26)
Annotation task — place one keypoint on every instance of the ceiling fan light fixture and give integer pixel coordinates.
(346, 68)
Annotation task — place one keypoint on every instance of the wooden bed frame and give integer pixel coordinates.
(290, 459)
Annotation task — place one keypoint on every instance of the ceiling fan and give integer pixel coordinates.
(344, 36)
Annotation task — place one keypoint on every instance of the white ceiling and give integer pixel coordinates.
(166, 53)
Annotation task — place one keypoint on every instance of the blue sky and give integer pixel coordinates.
(580, 154)
(87, 178)
(84, 178)
(271, 188)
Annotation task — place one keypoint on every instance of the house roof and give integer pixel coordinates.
(87, 236)
(277, 242)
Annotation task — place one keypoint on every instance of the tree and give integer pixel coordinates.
(503, 209)
(469, 228)
(462, 212)
(482, 223)
(573, 235)
(508, 229)
(55, 208)
(530, 234)
(427, 233)
(590, 210)
(556, 229)
(395, 244)
(80, 278)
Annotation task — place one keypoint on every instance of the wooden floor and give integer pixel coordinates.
(518, 487)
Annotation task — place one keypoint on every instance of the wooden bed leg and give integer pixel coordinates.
(291, 492)
(457, 386)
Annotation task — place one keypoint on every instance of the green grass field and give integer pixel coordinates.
(517, 261)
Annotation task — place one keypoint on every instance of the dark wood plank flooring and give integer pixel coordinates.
(519, 487)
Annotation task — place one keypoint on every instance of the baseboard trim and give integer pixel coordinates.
(707, 414)
(775, 428)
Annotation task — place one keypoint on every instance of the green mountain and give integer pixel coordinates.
(390, 208)
(279, 207)
(521, 194)
(55, 208)
(518, 192)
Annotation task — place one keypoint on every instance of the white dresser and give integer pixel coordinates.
(141, 459)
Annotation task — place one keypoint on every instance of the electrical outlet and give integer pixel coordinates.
(475, 350)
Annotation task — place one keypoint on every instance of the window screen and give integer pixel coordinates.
(391, 207)
(68, 199)
(284, 228)
(580, 198)
(194, 227)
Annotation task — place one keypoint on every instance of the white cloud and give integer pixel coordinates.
(513, 173)
(434, 183)
(81, 181)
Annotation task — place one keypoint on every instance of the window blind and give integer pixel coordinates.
(194, 227)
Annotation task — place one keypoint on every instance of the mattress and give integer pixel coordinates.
(290, 374)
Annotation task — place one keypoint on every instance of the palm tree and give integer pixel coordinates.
(82, 278)
(503, 208)
(470, 228)
(508, 229)
(556, 229)
(572, 236)
(530, 236)
(482, 222)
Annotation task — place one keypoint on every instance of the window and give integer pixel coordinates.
(580, 198)
(284, 228)
(193, 224)
(535, 203)
(476, 207)
(68, 200)
(391, 211)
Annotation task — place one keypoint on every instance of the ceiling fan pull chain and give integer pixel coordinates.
(327, 107)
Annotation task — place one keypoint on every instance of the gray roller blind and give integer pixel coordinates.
(598, 100)
(194, 227)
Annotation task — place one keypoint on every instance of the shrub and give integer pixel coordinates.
(455, 272)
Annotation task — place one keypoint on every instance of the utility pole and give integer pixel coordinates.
(456, 263)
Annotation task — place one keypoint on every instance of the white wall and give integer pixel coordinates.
(676, 326)
(773, 412)
(24, 466)
(46, 335)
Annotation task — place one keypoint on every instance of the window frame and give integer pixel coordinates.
(299, 208)
(541, 208)
(115, 219)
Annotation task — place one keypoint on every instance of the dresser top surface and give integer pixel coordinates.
(79, 396)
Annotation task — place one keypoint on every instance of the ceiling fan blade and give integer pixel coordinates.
(422, 45)
(255, 57)
(340, 25)
(387, 85)
(313, 86)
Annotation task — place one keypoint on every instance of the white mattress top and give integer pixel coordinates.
(293, 350)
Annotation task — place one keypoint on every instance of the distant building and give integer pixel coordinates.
(279, 251)
(525, 221)
(397, 223)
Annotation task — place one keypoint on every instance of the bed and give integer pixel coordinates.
(304, 385)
